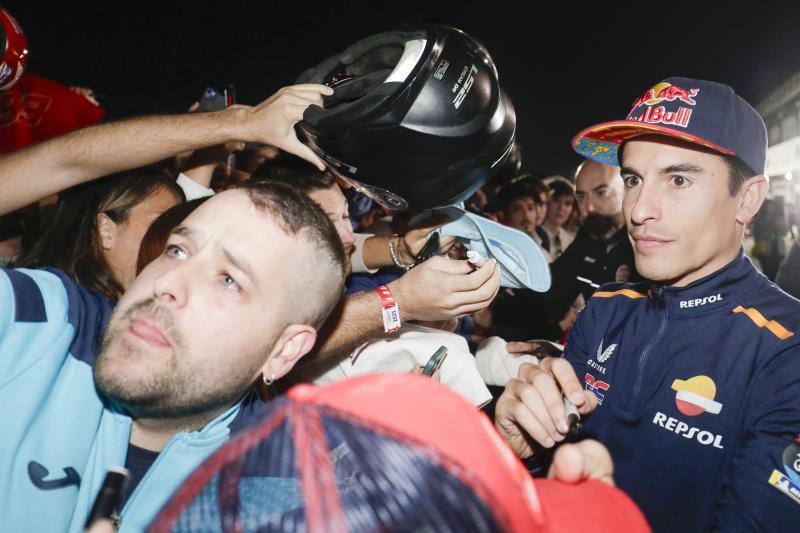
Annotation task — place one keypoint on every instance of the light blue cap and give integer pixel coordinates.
(522, 263)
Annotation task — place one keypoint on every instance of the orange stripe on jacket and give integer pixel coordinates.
(624, 292)
(775, 328)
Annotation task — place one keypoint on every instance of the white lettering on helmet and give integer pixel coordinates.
(686, 431)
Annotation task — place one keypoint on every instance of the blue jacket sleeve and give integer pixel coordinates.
(46, 315)
(754, 494)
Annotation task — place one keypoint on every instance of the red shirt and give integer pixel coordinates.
(35, 109)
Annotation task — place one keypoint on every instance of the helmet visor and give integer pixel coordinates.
(385, 198)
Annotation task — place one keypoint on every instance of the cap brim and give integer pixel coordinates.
(588, 506)
(601, 142)
(521, 261)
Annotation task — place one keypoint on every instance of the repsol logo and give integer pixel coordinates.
(697, 302)
(686, 431)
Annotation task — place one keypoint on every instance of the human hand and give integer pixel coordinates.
(416, 237)
(442, 288)
(417, 371)
(538, 348)
(531, 407)
(272, 121)
(569, 319)
(584, 460)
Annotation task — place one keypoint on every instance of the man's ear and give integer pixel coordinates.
(107, 229)
(751, 196)
(294, 342)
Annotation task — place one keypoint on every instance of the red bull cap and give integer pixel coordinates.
(698, 111)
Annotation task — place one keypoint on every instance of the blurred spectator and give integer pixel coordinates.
(33, 109)
(96, 230)
(769, 230)
(788, 277)
(601, 252)
(524, 204)
(559, 209)
(36, 109)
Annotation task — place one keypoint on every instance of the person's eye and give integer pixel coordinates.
(229, 283)
(631, 181)
(679, 182)
(602, 193)
(175, 252)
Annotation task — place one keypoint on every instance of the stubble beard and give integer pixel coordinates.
(167, 390)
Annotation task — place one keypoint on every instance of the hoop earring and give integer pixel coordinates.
(269, 381)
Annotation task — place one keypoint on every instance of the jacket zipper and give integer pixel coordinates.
(646, 352)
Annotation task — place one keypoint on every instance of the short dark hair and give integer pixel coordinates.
(297, 173)
(298, 216)
(738, 173)
(561, 187)
(515, 191)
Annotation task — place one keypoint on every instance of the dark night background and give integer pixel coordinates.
(565, 65)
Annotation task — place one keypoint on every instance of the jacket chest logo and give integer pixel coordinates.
(37, 472)
(693, 397)
(601, 357)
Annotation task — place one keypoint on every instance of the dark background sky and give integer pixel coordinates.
(565, 65)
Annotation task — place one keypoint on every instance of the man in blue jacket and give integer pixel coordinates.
(215, 313)
(692, 379)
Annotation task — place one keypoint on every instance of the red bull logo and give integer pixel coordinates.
(666, 91)
(658, 114)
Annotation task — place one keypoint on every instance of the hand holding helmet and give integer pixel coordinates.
(272, 121)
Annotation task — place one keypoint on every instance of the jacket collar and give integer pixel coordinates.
(717, 290)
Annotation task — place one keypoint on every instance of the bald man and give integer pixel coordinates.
(601, 252)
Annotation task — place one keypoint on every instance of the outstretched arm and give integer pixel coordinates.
(83, 155)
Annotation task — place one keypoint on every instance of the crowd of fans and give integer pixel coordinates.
(170, 279)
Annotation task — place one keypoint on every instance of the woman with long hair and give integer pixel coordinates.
(95, 229)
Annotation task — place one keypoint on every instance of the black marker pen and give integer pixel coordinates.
(109, 496)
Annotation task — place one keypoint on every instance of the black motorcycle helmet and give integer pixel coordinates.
(418, 119)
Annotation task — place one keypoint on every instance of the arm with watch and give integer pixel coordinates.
(437, 289)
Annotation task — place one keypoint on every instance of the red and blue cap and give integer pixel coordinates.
(697, 111)
(382, 452)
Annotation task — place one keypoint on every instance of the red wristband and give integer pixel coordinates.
(390, 311)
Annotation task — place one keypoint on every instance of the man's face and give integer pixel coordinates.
(599, 191)
(559, 209)
(681, 218)
(521, 214)
(333, 202)
(194, 329)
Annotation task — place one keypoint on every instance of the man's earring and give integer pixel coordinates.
(269, 381)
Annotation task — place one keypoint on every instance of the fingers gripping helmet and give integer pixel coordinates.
(13, 50)
(417, 119)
